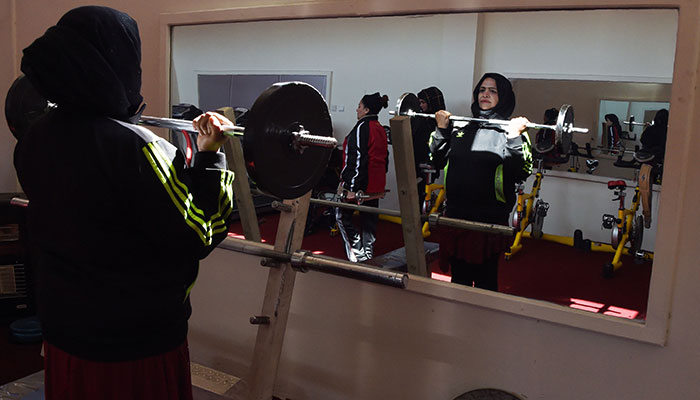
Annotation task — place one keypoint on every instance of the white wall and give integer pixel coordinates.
(614, 45)
(390, 55)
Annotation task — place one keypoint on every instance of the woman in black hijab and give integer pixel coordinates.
(431, 100)
(116, 223)
(485, 163)
(654, 136)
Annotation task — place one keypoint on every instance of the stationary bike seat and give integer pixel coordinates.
(619, 184)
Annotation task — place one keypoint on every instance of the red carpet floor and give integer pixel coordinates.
(541, 270)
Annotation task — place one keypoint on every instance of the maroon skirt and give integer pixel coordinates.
(165, 376)
(471, 246)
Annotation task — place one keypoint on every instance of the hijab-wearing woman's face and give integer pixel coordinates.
(423, 105)
(361, 110)
(488, 94)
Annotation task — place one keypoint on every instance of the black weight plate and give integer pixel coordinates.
(487, 394)
(23, 106)
(272, 163)
(562, 135)
(407, 102)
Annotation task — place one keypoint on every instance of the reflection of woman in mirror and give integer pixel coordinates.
(545, 140)
(485, 163)
(431, 100)
(613, 131)
(654, 136)
(365, 163)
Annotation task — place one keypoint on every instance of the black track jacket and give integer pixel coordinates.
(116, 224)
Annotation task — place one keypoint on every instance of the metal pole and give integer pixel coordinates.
(436, 219)
(302, 260)
(433, 219)
(411, 113)
(303, 136)
(372, 210)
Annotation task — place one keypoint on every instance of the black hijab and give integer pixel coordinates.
(90, 61)
(433, 96)
(506, 98)
(654, 137)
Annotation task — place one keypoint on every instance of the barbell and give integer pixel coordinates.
(304, 260)
(631, 123)
(563, 130)
(282, 157)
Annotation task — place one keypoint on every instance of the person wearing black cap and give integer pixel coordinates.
(485, 163)
(365, 163)
(116, 223)
(431, 100)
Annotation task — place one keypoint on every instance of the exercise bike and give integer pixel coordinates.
(530, 211)
(628, 226)
(434, 197)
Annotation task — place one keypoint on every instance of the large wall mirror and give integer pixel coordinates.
(582, 58)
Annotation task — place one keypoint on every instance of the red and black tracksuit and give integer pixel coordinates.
(365, 163)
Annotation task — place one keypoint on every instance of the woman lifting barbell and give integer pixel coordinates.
(365, 163)
(485, 163)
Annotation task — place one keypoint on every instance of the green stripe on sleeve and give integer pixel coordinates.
(182, 198)
(498, 184)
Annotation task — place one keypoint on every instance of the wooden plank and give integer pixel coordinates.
(241, 189)
(277, 301)
(402, 143)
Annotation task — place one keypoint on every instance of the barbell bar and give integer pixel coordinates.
(434, 219)
(300, 137)
(282, 157)
(408, 103)
(360, 196)
(303, 260)
(631, 123)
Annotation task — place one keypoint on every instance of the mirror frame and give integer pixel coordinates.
(683, 115)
